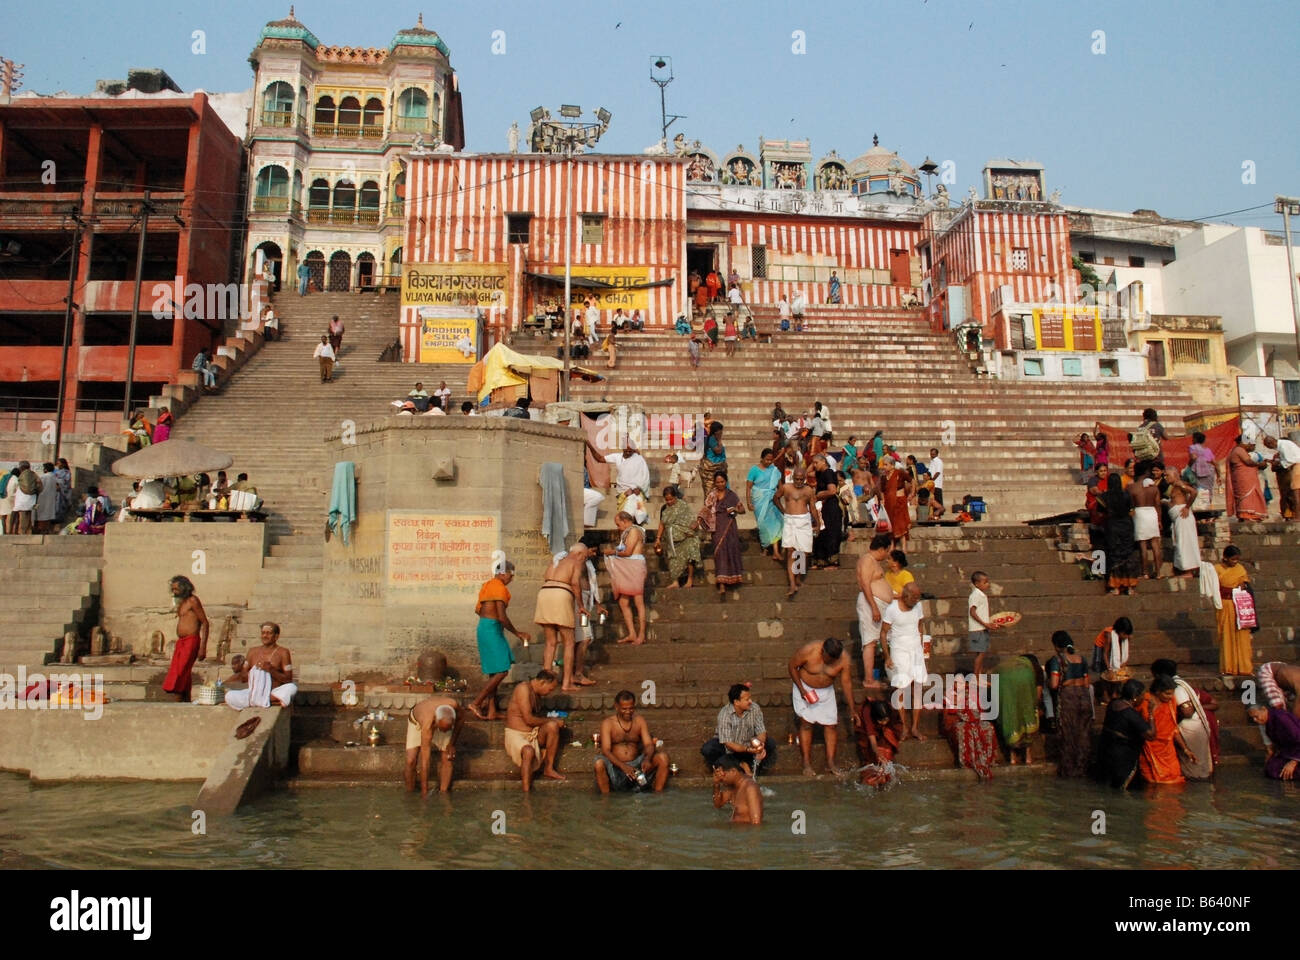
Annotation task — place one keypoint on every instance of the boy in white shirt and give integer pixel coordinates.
(977, 619)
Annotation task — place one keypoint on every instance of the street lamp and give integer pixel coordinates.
(564, 136)
(929, 168)
(1290, 207)
(661, 74)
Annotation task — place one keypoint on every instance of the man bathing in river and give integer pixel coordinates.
(533, 741)
(191, 638)
(627, 749)
(433, 724)
(814, 669)
(795, 501)
(267, 669)
(732, 784)
(561, 591)
(873, 597)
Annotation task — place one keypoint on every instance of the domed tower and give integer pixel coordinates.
(884, 174)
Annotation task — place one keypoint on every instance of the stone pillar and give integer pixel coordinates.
(422, 547)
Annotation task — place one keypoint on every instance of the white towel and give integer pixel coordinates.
(259, 688)
(1210, 584)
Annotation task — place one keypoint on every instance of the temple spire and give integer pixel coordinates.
(419, 21)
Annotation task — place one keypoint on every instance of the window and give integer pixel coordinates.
(518, 226)
(758, 260)
(1137, 261)
(1088, 256)
(1189, 350)
(1108, 368)
(1292, 391)
(413, 110)
(1020, 258)
(277, 105)
(1033, 367)
(593, 228)
(1072, 366)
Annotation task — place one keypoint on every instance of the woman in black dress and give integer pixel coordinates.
(826, 545)
(1123, 564)
(1122, 735)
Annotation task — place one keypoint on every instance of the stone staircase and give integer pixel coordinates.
(697, 647)
(884, 369)
(51, 586)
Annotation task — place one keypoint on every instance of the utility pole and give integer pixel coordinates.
(67, 329)
(145, 207)
(11, 78)
(568, 274)
(661, 74)
(1289, 207)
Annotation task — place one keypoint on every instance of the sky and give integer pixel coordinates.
(1182, 107)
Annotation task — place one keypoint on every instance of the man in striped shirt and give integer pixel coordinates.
(740, 725)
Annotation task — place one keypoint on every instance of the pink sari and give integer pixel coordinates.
(1247, 494)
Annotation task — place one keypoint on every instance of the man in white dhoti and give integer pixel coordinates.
(268, 670)
(814, 669)
(1182, 528)
(900, 641)
(799, 521)
(633, 473)
(1146, 519)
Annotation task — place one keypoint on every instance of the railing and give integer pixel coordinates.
(368, 215)
(277, 118)
(44, 205)
(270, 204)
(347, 131)
(372, 131)
(417, 125)
(343, 215)
(318, 214)
(32, 414)
(128, 205)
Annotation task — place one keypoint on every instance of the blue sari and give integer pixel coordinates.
(766, 515)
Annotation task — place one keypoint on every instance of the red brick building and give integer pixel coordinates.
(61, 158)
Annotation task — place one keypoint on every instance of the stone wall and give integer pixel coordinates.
(222, 559)
(408, 578)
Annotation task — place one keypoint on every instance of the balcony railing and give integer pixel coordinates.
(372, 131)
(270, 204)
(368, 215)
(343, 215)
(318, 214)
(128, 204)
(417, 125)
(40, 205)
(277, 118)
(347, 131)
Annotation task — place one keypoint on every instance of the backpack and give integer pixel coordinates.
(1145, 446)
(28, 483)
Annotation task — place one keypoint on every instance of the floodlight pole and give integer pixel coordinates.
(1287, 206)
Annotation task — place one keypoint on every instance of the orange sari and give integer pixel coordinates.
(1159, 760)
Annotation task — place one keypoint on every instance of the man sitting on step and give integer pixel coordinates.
(628, 758)
(741, 731)
(268, 671)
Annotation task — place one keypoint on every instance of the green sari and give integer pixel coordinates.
(681, 543)
(1017, 702)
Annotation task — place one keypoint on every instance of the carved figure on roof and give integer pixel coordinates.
(512, 138)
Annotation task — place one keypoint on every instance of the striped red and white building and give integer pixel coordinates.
(509, 210)
(990, 254)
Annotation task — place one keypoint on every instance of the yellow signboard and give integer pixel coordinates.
(454, 284)
(439, 555)
(1068, 328)
(444, 340)
(619, 296)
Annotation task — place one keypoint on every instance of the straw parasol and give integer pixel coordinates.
(172, 458)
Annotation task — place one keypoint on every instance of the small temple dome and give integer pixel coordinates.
(879, 160)
(290, 28)
(419, 36)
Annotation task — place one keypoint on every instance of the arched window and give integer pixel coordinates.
(349, 117)
(397, 201)
(277, 105)
(368, 202)
(271, 191)
(345, 203)
(413, 110)
(318, 201)
(323, 123)
(372, 119)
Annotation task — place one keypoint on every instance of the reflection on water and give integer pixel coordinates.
(1241, 821)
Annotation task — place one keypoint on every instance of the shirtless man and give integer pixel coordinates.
(191, 638)
(732, 784)
(801, 522)
(561, 591)
(626, 565)
(814, 669)
(1277, 680)
(873, 596)
(532, 740)
(434, 722)
(268, 671)
(626, 749)
(1145, 492)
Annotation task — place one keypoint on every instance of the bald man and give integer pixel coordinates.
(433, 724)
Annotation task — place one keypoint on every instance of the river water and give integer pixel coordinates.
(1240, 821)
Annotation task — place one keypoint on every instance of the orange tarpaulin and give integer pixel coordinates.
(1219, 440)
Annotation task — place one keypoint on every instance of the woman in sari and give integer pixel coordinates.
(1123, 565)
(1067, 678)
(94, 516)
(163, 428)
(878, 445)
(711, 330)
(1020, 692)
(676, 540)
(1122, 735)
(879, 735)
(1159, 761)
(612, 346)
(1247, 494)
(1195, 710)
(715, 454)
(849, 462)
(896, 492)
(719, 517)
(140, 432)
(826, 545)
(1233, 641)
(760, 488)
(973, 739)
(1102, 453)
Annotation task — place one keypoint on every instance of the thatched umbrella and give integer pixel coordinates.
(172, 458)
